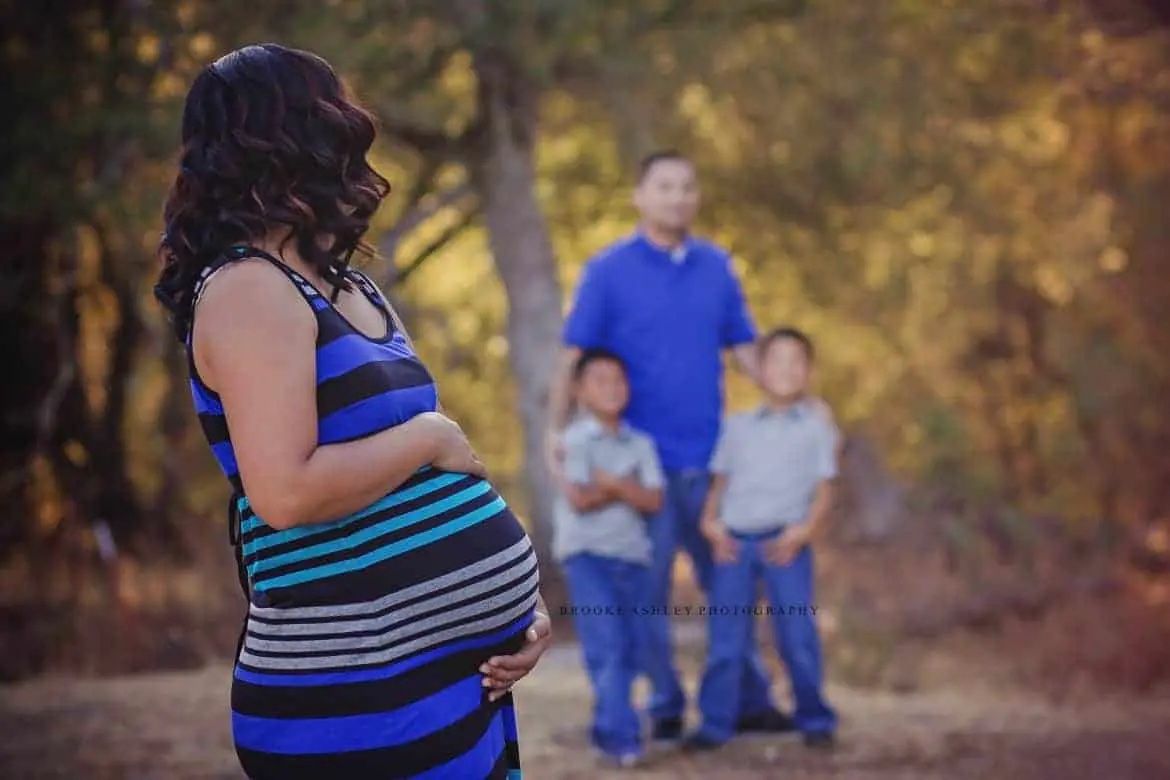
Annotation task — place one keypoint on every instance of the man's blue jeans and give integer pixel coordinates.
(607, 595)
(678, 524)
(790, 594)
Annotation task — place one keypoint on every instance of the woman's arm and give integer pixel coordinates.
(255, 344)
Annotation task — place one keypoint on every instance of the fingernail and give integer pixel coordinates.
(486, 682)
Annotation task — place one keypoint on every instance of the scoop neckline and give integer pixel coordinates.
(390, 326)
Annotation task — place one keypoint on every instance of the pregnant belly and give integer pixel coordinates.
(438, 568)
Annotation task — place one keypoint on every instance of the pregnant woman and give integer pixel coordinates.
(393, 594)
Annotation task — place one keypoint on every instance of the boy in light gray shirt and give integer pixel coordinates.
(771, 489)
(612, 480)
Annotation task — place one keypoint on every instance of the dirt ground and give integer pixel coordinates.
(173, 726)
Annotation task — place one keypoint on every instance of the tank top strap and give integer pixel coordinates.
(367, 286)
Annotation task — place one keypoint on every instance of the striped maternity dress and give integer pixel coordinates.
(364, 634)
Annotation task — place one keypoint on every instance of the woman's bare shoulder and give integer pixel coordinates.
(246, 306)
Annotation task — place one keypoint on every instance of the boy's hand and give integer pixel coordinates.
(781, 550)
(724, 547)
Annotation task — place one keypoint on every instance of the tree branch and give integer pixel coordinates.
(416, 213)
(422, 138)
(444, 238)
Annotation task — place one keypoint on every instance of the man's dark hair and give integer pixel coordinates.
(593, 356)
(661, 155)
(787, 332)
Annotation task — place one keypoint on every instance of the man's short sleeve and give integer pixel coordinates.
(649, 468)
(737, 326)
(577, 459)
(827, 450)
(721, 459)
(585, 325)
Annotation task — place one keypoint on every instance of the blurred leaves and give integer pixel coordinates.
(962, 202)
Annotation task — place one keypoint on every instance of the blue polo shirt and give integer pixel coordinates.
(669, 315)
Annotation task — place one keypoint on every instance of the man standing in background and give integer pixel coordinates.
(668, 304)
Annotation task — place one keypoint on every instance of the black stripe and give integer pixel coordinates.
(398, 534)
(415, 480)
(330, 326)
(500, 768)
(516, 560)
(423, 563)
(342, 531)
(412, 758)
(442, 606)
(527, 596)
(327, 701)
(369, 379)
(511, 747)
(214, 427)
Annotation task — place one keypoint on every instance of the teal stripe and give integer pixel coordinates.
(374, 531)
(389, 551)
(393, 499)
(514, 774)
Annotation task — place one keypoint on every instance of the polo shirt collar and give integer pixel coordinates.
(595, 429)
(677, 255)
(794, 412)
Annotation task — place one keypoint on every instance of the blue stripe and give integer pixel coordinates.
(294, 680)
(514, 774)
(389, 551)
(476, 762)
(204, 403)
(372, 532)
(227, 457)
(387, 501)
(360, 732)
(375, 413)
(508, 713)
(347, 352)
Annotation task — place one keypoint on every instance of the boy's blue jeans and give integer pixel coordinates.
(789, 589)
(607, 595)
(677, 524)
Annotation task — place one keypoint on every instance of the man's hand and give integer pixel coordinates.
(502, 671)
(785, 547)
(724, 547)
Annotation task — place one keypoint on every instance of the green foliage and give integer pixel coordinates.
(962, 201)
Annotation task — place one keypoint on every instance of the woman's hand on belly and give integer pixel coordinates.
(501, 672)
(455, 452)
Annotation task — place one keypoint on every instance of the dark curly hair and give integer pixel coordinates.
(270, 138)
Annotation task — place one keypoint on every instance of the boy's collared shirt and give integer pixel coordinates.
(616, 530)
(774, 460)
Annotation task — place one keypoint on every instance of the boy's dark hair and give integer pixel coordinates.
(787, 332)
(594, 355)
(648, 162)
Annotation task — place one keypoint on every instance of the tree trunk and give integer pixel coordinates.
(502, 166)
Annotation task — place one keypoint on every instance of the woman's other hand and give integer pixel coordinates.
(502, 671)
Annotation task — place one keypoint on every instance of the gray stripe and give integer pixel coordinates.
(385, 656)
(288, 630)
(358, 608)
(413, 628)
